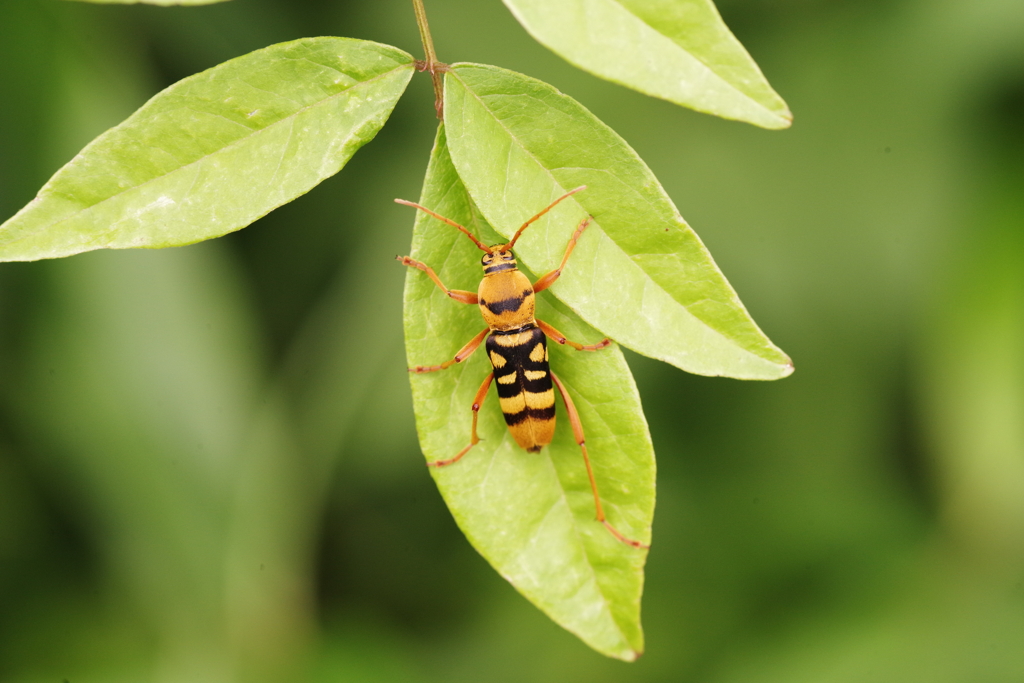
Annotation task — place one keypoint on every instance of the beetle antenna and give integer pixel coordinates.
(452, 223)
(550, 206)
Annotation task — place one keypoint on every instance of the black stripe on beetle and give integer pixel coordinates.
(506, 305)
(490, 270)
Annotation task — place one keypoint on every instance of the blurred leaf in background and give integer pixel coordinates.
(220, 478)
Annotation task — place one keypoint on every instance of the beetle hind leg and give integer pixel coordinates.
(474, 439)
(577, 430)
(464, 353)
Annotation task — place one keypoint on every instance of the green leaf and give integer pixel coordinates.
(165, 3)
(531, 515)
(678, 50)
(639, 273)
(216, 151)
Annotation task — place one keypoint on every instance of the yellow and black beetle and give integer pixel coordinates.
(517, 348)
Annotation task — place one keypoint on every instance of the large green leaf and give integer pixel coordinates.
(531, 515)
(216, 151)
(678, 50)
(639, 274)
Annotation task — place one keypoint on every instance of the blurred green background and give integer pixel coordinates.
(208, 463)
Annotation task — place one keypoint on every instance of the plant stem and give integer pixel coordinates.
(431, 64)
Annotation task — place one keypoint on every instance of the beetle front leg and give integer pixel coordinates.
(459, 295)
(549, 279)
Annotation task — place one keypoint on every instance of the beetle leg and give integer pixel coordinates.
(474, 439)
(549, 279)
(464, 353)
(577, 430)
(459, 295)
(557, 336)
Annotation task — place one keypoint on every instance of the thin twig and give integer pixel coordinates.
(430, 63)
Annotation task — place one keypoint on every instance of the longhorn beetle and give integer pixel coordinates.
(517, 348)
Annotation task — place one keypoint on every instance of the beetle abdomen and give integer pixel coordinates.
(520, 362)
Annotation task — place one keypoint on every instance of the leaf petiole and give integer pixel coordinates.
(430, 62)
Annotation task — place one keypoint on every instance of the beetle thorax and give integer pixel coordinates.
(506, 295)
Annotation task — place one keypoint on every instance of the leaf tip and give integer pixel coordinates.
(631, 655)
(783, 119)
(787, 369)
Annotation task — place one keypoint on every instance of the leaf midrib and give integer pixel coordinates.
(228, 146)
(531, 155)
